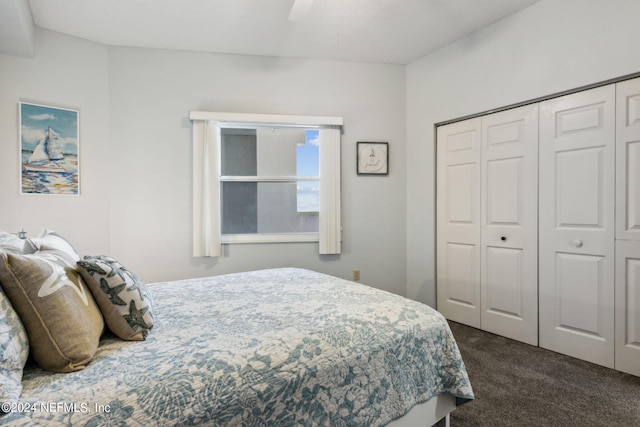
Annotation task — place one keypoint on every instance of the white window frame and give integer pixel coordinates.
(207, 237)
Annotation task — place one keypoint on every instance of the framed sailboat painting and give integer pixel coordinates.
(49, 150)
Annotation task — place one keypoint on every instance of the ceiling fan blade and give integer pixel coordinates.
(299, 10)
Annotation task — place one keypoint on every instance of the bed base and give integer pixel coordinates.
(433, 412)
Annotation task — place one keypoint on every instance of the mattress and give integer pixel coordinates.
(278, 347)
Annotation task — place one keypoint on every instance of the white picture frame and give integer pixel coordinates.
(49, 150)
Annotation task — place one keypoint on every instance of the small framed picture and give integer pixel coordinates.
(49, 150)
(373, 158)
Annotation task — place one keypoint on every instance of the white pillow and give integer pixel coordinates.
(50, 240)
(11, 243)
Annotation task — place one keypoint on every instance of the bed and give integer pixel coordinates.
(277, 347)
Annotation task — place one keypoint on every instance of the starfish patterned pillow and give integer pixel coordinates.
(62, 320)
(124, 299)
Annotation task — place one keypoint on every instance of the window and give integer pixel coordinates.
(270, 183)
(265, 178)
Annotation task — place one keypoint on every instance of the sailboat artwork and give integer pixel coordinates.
(43, 158)
(49, 150)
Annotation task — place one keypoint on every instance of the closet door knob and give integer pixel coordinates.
(577, 243)
(503, 238)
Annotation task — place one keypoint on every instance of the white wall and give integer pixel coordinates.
(68, 73)
(135, 201)
(554, 45)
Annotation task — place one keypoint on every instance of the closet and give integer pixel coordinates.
(538, 224)
(487, 208)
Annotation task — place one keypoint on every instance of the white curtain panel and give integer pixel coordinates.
(330, 226)
(206, 190)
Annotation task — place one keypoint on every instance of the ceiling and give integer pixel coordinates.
(381, 31)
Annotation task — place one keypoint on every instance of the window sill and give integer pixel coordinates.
(270, 238)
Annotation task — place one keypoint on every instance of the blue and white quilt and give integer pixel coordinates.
(281, 347)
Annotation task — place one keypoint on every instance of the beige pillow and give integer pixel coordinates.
(62, 320)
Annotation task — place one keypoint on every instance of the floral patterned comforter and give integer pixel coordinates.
(281, 347)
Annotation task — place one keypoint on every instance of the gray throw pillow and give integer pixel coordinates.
(124, 299)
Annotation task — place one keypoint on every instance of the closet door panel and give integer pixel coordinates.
(627, 317)
(509, 221)
(504, 185)
(628, 307)
(503, 295)
(461, 274)
(628, 159)
(579, 286)
(576, 289)
(458, 221)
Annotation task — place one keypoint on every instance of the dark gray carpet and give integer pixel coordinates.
(517, 384)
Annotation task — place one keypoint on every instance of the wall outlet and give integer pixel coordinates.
(356, 275)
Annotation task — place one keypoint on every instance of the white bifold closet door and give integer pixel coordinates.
(458, 221)
(487, 222)
(509, 224)
(576, 276)
(627, 318)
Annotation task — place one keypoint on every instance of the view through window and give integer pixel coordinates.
(269, 180)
